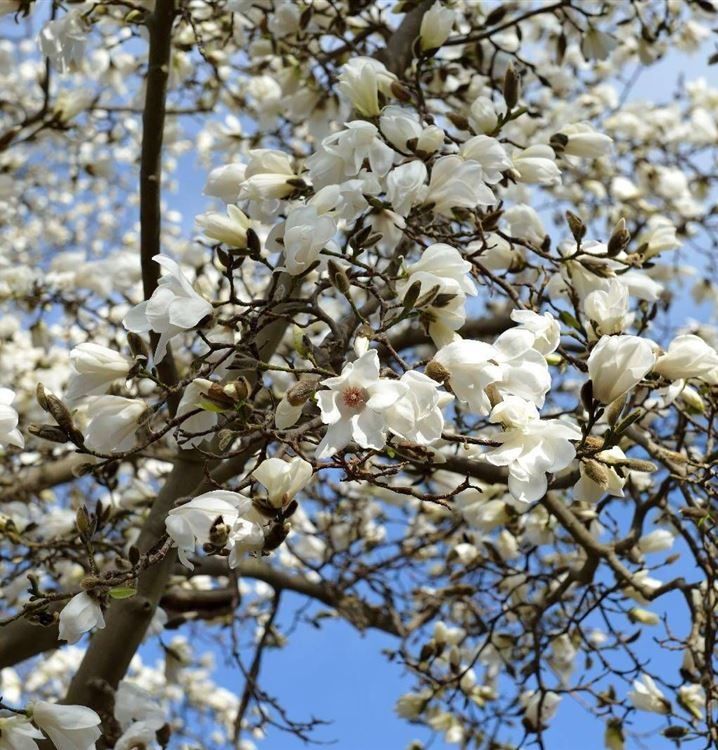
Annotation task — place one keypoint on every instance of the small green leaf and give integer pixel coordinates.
(122, 592)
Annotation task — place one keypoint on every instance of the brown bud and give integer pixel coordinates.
(638, 464)
(619, 239)
(138, 348)
(400, 92)
(512, 87)
(411, 296)
(576, 225)
(437, 371)
(459, 121)
(614, 409)
(338, 277)
(427, 299)
(301, 392)
(48, 432)
(597, 472)
(83, 522)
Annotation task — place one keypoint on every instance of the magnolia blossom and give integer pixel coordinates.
(198, 425)
(417, 416)
(406, 186)
(93, 368)
(646, 696)
(537, 164)
(659, 540)
(693, 699)
(361, 81)
(402, 128)
(436, 26)
(617, 364)
(230, 228)
(224, 182)
(456, 183)
(283, 479)
(483, 116)
(63, 40)
(69, 727)
(9, 433)
(545, 328)
(173, 307)
(584, 141)
(607, 309)
(530, 447)
(539, 707)
(81, 614)
(17, 733)
(490, 154)
(113, 423)
(306, 233)
(354, 406)
(191, 523)
(267, 176)
(689, 356)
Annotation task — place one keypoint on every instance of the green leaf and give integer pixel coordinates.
(122, 592)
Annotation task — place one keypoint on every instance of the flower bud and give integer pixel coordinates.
(301, 392)
(512, 87)
(619, 239)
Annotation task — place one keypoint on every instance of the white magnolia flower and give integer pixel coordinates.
(545, 328)
(689, 356)
(80, 615)
(287, 414)
(306, 233)
(693, 699)
(9, 433)
(472, 367)
(267, 176)
(402, 128)
(537, 164)
(69, 727)
(607, 309)
(224, 182)
(456, 183)
(530, 447)
(191, 523)
(436, 26)
(230, 228)
(173, 307)
(113, 423)
(93, 368)
(139, 716)
(354, 406)
(406, 186)
(617, 364)
(197, 427)
(539, 707)
(584, 141)
(417, 416)
(283, 479)
(63, 40)
(659, 540)
(490, 154)
(483, 116)
(17, 733)
(361, 81)
(646, 696)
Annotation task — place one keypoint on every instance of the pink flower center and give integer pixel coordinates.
(354, 397)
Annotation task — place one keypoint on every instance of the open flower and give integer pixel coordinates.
(217, 517)
(617, 364)
(113, 423)
(283, 479)
(530, 447)
(230, 228)
(689, 356)
(81, 614)
(417, 416)
(93, 368)
(173, 307)
(17, 733)
(69, 727)
(197, 426)
(456, 183)
(9, 433)
(646, 696)
(354, 406)
(306, 233)
(361, 81)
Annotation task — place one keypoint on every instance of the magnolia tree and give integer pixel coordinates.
(428, 362)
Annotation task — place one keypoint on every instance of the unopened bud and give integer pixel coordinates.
(643, 616)
(459, 121)
(614, 409)
(437, 372)
(619, 239)
(47, 432)
(400, 92)
(576, 225)
(636, 464)
(301, 392)
(83, 522)
(138, 348)
(512, 87)
(338, 277)
(597, 472)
